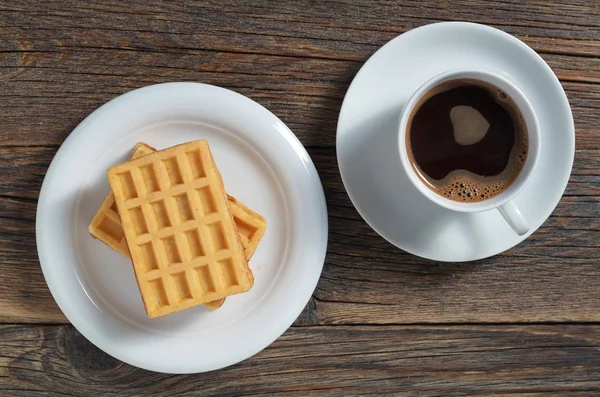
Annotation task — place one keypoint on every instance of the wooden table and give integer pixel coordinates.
(380, 321)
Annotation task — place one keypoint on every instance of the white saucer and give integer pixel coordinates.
(262, 163)
(367, 146)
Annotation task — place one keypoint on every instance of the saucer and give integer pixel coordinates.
(367, 136)
(262, 164)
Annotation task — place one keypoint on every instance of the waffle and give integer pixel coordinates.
(181, 234)
(250, 226)
(106, 224)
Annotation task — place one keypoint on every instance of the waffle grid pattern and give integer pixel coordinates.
(180, 232)
(250, 226)
(106, 224)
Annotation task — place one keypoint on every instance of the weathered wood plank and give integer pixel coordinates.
(324, 29)
(552, 276)
(61, 61)
(305, 93)
(326, 361)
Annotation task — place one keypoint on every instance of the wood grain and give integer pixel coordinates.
(326, 361)
(551, 277)
(63, 60)
(381, 321)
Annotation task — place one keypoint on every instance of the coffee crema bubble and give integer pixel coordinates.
(467, 140)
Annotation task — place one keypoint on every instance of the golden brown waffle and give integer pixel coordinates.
(106, 224)
(181, 234)
(251, 226)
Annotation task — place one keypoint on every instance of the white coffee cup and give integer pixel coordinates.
(503, 202)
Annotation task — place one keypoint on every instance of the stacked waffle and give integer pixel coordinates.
(188, 240)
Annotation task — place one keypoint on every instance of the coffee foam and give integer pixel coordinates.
(465, 186)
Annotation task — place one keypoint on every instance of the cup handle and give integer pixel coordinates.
(510, 212)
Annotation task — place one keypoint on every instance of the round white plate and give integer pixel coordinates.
(367, 135)
(263, 165)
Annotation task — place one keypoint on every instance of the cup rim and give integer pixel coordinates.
(532, 129)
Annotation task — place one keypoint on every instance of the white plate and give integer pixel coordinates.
(367, 146)
(263, 165)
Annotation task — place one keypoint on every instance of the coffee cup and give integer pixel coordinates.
(467, 173)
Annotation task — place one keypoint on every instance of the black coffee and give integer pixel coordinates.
(467, 140)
